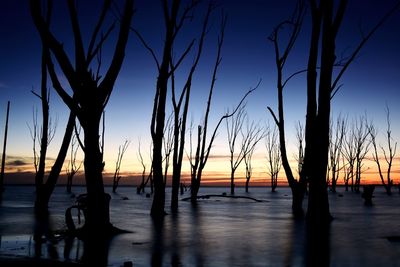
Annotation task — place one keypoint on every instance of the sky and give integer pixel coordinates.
(371, 82)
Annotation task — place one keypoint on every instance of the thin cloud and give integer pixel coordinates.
(17, 163)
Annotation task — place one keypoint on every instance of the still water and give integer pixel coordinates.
(218, 232)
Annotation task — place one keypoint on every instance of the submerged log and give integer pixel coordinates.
(224, 196)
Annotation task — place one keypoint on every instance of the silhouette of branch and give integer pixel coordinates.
(363, 42)
(103, 38)
(144, 43)
(104, 10)
(79, 50)
(228, 116)
(107, 83)
(273, 115)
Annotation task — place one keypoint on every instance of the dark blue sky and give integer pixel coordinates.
(371, 82)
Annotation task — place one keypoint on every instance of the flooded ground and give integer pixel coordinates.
(218, 232)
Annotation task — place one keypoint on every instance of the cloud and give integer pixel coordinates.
(17, 163)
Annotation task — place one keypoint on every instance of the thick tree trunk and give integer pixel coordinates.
(98, 217)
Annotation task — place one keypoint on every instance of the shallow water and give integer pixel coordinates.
(218, 232)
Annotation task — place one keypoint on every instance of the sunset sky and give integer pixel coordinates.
(372, 82)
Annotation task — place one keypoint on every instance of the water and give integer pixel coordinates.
(219, 232)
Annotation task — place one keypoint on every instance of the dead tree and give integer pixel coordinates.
(362, 146)
(168, 145)
(3, 158)
(198, 159)
(300, 147)
(145, 181)
(298, 187)
(326, 22)
(253, 135)
(72, 167)
(91, 92)
(273, 156)
(234, 126)
(174, 18)
(40, 136)
(388, 153)
(117, 177)
(349, 157)
(180, 117)
(249, 139)
(336, 139)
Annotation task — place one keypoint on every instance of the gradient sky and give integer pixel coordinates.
(371, 82)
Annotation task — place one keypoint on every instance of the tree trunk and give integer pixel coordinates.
(247, 184)
(42, 199)
(3, 159)
(98, 217)
(232, 182)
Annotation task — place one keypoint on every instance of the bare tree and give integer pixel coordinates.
(253, 134)
(273, 156)
(174, 17)
(349, 157)
(362, 146)
(249, 139)
(336, 139)
(40, 135)
(388, 153)
(180, 120)
(91, 92)
(72, 167)
(3, 158)
(300, 147)
(234, 126)
(298, 187)
(145, 181)
(117, 177)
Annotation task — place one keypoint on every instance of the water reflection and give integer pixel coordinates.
(197, 235)
(158, 243)
(317, 245)
(43, 235)
(294, 243)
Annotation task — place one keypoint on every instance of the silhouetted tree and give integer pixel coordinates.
(388, 153)
(326, 22)
(362, 146)
(72, 168)
(180, 120)
(253, 134)
(349, 157)
(3, 158)
(203, 145)
(336, 138)
(249, 139)
(273, 156)
(145, 181)
(298, 187)
(121, 151)
(42, 137)
(91, 93)
(174, 18)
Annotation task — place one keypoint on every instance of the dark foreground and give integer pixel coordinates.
(218, 232)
